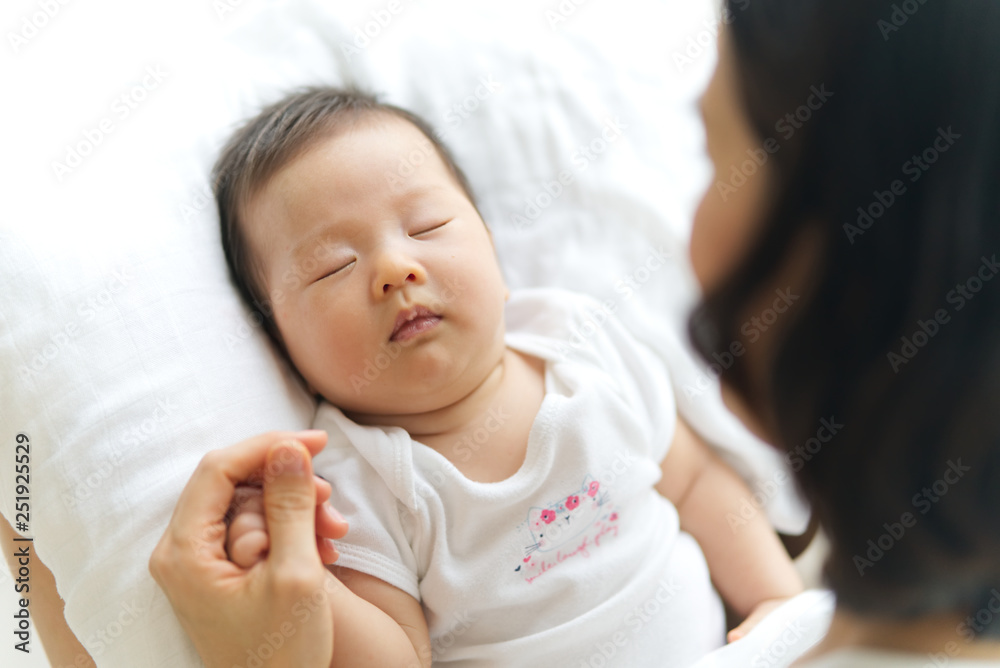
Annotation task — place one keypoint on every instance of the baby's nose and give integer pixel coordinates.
(409, 278)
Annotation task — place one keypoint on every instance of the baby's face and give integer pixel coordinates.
(384, 279)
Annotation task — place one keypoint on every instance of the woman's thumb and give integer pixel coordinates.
(290, 503)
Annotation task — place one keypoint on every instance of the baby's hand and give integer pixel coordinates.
(247, 539)
(763, 609)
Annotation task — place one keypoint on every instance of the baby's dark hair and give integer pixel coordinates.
(269, 141)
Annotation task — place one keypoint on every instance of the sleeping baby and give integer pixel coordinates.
(519, 493)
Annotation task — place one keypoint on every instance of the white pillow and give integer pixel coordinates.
(126, 352)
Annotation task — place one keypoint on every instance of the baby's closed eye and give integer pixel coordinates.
(424, 229)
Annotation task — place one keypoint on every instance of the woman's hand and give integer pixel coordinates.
(247, 541)
(760, 611)
(277, 609)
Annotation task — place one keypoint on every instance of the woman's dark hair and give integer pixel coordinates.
(897, 334)
(268, 142)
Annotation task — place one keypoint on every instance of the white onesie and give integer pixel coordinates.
(573, 561)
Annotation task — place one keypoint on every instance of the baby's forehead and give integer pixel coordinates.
(378, 164)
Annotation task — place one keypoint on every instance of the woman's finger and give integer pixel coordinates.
(207, 495)
(329, 522)
(250, 494)
(323, 489)
(290, 508)
(327, 550)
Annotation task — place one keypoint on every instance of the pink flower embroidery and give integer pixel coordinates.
(592, 490)
(548, 516)
(572, 502)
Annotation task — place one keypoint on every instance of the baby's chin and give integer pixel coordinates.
(396, 407)
(439, 377)
(391, 412)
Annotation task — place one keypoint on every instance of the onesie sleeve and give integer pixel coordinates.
(377, 541)
(580, 327)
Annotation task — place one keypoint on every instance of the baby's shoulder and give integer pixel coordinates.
(566, 326)
(374, 461)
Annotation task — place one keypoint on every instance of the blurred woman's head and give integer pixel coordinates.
(849, 241)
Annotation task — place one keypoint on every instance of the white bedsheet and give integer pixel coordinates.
(125, 352)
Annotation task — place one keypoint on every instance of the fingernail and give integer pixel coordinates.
(289, 458)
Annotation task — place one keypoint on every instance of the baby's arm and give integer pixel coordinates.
(247, 541)
(748, 564)
(374, 623)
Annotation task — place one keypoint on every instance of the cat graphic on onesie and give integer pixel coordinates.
(519, 487)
